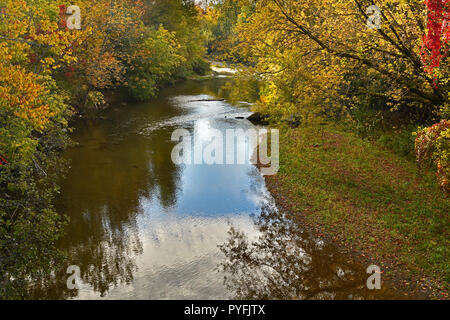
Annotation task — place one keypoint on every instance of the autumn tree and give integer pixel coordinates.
(106, 54)
(33, 125)
(156, 60)
(187, 20)
(433, 143)
(48, 71)
(324, 54)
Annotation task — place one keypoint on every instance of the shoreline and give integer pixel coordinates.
(351, 236)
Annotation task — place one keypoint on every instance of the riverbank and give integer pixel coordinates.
(368, 201)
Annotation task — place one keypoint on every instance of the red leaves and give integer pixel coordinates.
(69, 72)
(3, 161)
(438, 27)
(432, 143)
(62, 16)
(446, 22)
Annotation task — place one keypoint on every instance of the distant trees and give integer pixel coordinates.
(188, 23)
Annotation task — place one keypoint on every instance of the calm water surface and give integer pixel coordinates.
(143, 227)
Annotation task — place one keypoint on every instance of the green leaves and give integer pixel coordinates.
(156, 62)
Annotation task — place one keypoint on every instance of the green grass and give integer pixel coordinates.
(367, 197)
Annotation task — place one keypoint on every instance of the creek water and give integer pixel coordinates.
(143, 227)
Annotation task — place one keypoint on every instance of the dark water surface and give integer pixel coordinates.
(143, 227)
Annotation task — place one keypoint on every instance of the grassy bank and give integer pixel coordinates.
(369, 201)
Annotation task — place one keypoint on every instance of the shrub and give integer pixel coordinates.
(156, 63)
(400, 141)
(200, 67)
(433, 143)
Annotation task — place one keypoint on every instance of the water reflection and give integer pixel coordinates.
(141, 226)
(283, 261)
(179, 260)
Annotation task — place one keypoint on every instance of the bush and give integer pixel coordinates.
(157, 64)
(400, 141)
(200, 67)
(433, 144)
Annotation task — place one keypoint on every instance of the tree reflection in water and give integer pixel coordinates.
(283, 261)
(102, 196)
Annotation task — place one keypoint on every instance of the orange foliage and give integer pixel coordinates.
(21, 92)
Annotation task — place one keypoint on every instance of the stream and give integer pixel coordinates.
(143, 227)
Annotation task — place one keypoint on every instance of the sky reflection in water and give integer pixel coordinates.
(142, 226)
